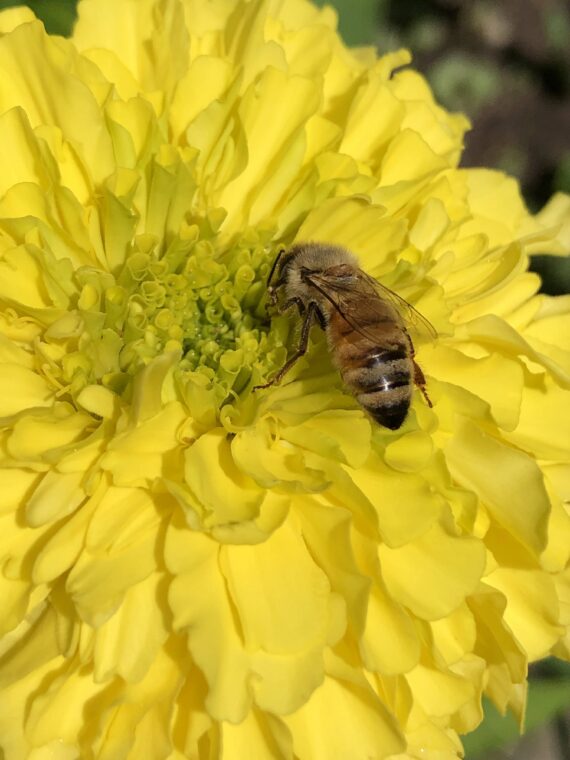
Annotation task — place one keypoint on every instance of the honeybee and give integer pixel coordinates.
(364, 325)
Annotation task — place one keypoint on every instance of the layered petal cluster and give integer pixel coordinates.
(188, 568)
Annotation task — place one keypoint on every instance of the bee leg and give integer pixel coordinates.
(419, 377)
(321, 318)
(295, 301)
(303, 343)
(271, 300)
(420, 381)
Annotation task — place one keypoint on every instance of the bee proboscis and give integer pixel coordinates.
(364, 323)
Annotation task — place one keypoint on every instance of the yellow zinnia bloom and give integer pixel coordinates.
(191, 569)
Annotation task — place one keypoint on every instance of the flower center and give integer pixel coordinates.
(208, 308)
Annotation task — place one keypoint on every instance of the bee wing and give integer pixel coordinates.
(408, 312)
(347, 300)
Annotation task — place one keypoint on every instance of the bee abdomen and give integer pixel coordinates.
(389, 412)
(382, 385)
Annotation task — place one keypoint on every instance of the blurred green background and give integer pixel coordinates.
(506, 63)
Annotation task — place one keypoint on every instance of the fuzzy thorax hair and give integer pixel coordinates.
(312, 257)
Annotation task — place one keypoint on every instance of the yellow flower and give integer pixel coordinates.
(194, 570)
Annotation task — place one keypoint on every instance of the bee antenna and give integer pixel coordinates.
(274, 265)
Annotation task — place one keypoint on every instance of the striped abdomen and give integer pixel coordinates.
(379, 373)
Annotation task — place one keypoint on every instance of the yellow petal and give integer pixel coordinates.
(389, 644)
(358, 225)
(133, 719)
(497, 644)
(138, 456)
(423, 732)
(128, 642)
(119, 552)
(98, 400)
(270, 462)
(57, 496)
(55, 96)
(308, 49)
(20, 152)
(19, 545)
(439, 693)
(451, 564)
(454, 635)
(191, 719)
(119, 28)
(342, 435)
(556, 555)
(225, 493)
(281, 596)
(120, 220)
(373, 101)
(515, 495)
(472, 669)
(61, 550)
(432, 222)
(21, 388)
(562, 584)
(502, 286)
(249, 43)
(206, 80)
(287, 103)
(287, 615)
(492, 331)
(326, 529)
(410, 452)
(201, 607)
(497, 204)
(33, 437)
(56, 711)
(495, 379)
(150, 387)
(134, 131)
(532, 608)
(544, 421)
(10, 18)
(407, 506)
(408, 157)
(550, 323)
(272, 513)
(555, 214)
(31, 647)
(11, 353)
(357, 725)
(15, 698)
(259, 735)
(15, 596)
(15, 485)
(35, 282)
(440, 129)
